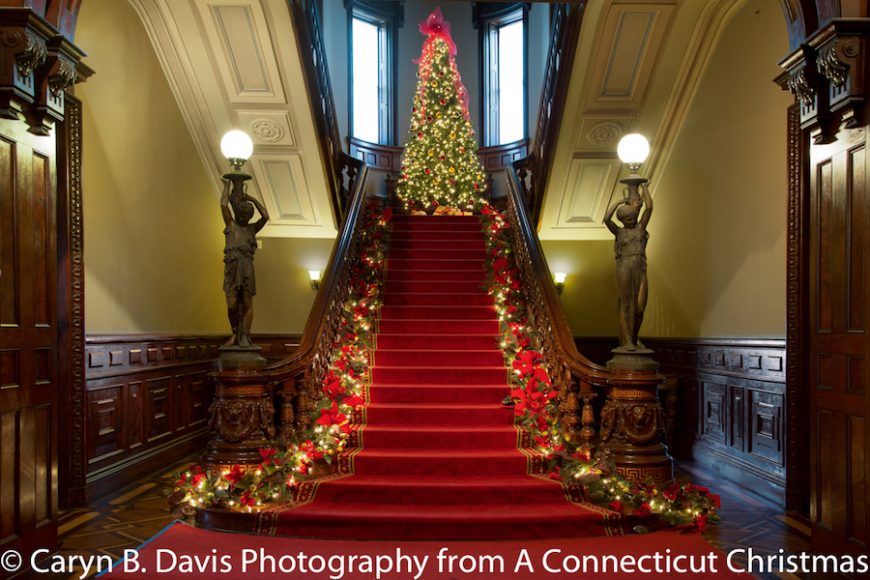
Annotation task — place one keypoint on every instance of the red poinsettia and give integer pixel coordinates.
(268, 456)
(235, 474)
(526, 362)
(332, 416)
(247, 500)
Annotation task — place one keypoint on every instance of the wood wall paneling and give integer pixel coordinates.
(731, 405)
(837, 342)
(28, 336)
(147, 402)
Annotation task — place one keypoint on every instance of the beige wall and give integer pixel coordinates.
(717, 239)
(153, 228)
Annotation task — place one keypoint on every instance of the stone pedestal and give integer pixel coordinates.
(242, 415)
(633, 421)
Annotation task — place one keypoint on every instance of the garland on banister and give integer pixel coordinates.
(536, 407)
(276, 478)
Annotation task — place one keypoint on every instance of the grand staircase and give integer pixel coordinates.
(439, 456)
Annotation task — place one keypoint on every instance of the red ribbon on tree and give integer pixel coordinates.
(436, 27)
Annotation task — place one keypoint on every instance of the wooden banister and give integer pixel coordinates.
(538, 282)
(300, 375)
(309, 40)
(565, 33)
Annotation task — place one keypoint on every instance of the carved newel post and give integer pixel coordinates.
(241, 417)
(633, 421)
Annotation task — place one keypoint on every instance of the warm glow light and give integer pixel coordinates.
(237, 145)
(559, 277)
(314, 276)
(633, 149)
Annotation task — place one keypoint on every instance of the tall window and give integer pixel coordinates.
(503, 39)
(372, 69)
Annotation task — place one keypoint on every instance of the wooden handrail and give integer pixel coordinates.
(331, 288)
(541, 291)
(309, 40)
(565, 33)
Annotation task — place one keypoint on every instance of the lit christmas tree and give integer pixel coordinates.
(440, 166)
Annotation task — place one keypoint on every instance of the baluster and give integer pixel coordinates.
(569, 405)
(287, 428)
(588, 435)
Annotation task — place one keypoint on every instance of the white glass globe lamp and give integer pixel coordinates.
(237, 147)
(633, 149)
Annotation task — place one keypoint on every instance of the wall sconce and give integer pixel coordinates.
(559, 281)
(314, 276)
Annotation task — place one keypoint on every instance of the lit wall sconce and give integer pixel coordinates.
(314, 276)
(559, 281)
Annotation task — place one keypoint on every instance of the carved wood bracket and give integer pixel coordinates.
(827, 76)
(37, 66)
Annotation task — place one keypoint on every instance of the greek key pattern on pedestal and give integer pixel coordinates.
(640, 474)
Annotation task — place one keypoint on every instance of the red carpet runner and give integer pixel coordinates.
(439, 457)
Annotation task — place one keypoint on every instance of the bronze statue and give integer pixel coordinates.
(241, 243)
(631, 279)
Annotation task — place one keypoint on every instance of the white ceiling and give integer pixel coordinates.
(234, 64)
(637, 65)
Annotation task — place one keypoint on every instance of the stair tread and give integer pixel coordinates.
(440, 350)
(440, 428)
(439, 512)
(451, 367)
(439, 406)
(458, 481)
(438, 453)
(437, 385)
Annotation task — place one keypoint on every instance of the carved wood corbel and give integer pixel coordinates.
(22, 51)
(841, 60)
(37, 66)
(827, 75)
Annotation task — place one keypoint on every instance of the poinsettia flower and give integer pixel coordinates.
(353, 401)
(235, 474)
(643, 510)
(332, 416)
(332, 386)
(247, 500)
(615, 505)
(267, 454)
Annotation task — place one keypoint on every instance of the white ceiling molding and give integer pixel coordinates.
(234, 64)
(637, 68)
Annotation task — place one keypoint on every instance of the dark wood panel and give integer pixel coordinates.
(8, 492)
(8, 233)
(28, 335)
(838, 344)
(858, 484)
(730, 407)
(147, 401)
(856, 221)
(715, 418)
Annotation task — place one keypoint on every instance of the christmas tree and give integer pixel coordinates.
(440, 166)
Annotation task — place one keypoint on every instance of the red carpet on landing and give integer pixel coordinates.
(439, 458)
